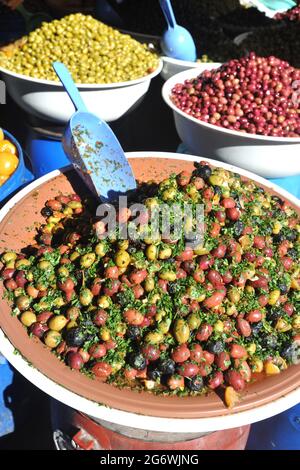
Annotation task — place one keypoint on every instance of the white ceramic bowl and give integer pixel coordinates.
(141, 421)
(47, 99)
(271, 157)
(173, 66)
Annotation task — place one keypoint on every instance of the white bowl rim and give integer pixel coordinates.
(139, 421)
(186, 63)
(192, 73)
(87, 86)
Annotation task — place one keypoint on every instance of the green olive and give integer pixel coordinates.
(9, 256)
(100, 249)
(87, 260)
(23, 302)
(85, 297)
(149, 284)
(57, 322)
(165, 253)
(168, 276)
(154, 337)
(181, 331)
(52, 338)
(28, 318)
(44, 265)
(122, 258)
(193, 321)
(22, 264)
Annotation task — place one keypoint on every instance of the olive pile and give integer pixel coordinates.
(93, 52)
(154, 313)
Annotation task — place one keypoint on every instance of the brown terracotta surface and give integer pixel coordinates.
(17, 231)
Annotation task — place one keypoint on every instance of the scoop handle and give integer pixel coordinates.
(67, 81)
(168, 12)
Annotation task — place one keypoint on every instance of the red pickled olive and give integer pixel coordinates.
(208, 193)
(138, 276)
(204, 332)
(244, 327)
(283, 248)
(181, 353)
(125, 280)
(100, 228)
(188, 266)
(247, 230)
(142, 374)
(21, 279)
(151, 352)
(84, 354)
(152, 310)
(215, 278)
(138, 291)
(215, 230)
(188, 369)
(183, 178)
(54, 205)
(235, 379)
(251, 257)
(186, 255)
(113, 288)
(216, 380)
(181, 274)
(38, 329)
(102, 370)
(219, 252)
(44, 316)
(287, 262)
(63, 199)
(238, 352)
(199, 276)
(11, 284)
(220, 216)
(260, 283)
(205, 262)
(69, 295)
(244, 369)
(209, 357)
(227, 277)
(146, 322)
(111, 272)
(288, 308)
(97, 351)
(227, 326)
(259, 260)
(259, 242)
(7, 274)
(194, 306)
(208, 207)
(143, 218)
(223, 361)
(67, 285)
(61, 348)
(204, 370)
(65, 260)
(100, 317)
(74, 360)
(75, 197)
(228, 202)
(133, 317)
(163, 285)
(268, 252)
(254, 316)
(96, 286)
(124, 215)
(263, 300)
(196, 353)
(174, 382)
(130, 373)
(110, 344)
(63, 249)
(233, 213)
(198, 182)
(215, 299)
(232, 247)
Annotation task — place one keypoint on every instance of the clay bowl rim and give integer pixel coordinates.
(161, 419)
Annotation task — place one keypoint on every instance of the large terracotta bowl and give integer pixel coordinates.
(17, 228)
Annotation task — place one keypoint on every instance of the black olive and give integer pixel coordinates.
(133, 332)
(204, 171)
(260, 190)
(166, 366)
(274, 314)
(278, 238)
(277, 199)
(195, 384)
(288, 352)
(255, 329)
(238, 228)
(46, 212)
(283, 288)
(75, 337)
(218, 190)
(78, 275)
(153, 373)
(137, 361)
(173, 287)
(292, 253)
(291, 235)
(193, 238)
(215, 347)
(131, 250)
(269, 341)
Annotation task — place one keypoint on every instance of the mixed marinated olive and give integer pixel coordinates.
(158, 314)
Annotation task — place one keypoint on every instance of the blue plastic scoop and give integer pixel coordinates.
(93, 148)
(176, 42)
